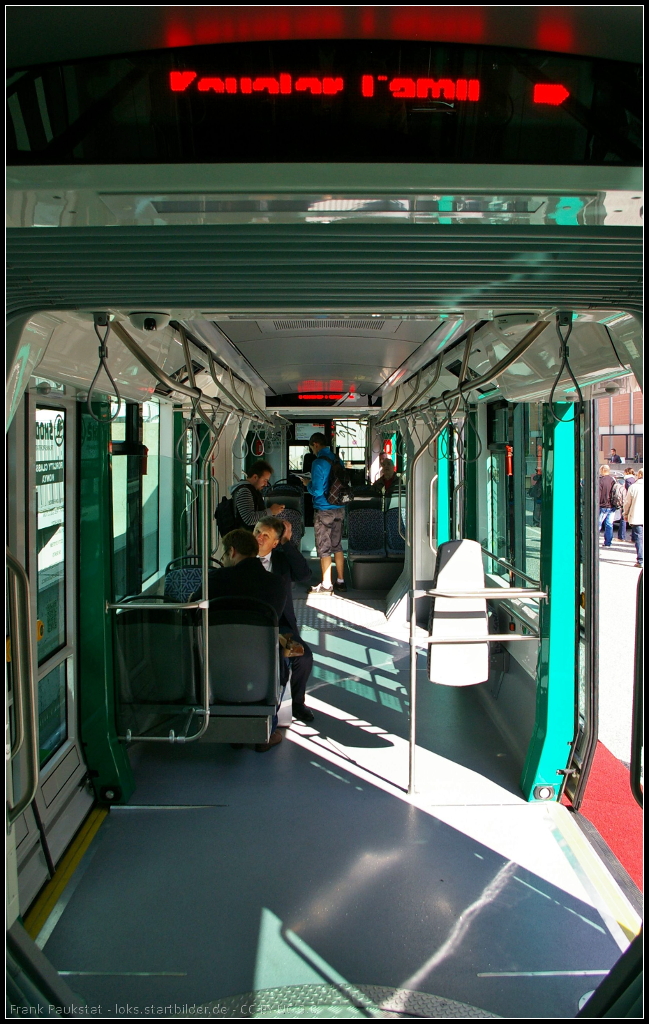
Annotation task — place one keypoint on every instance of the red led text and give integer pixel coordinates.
(280, 85)
(550, 93)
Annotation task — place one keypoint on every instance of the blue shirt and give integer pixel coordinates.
(320, 473)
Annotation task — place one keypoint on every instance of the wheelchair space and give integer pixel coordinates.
(307, 874)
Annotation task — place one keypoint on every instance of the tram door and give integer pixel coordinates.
(42, 535)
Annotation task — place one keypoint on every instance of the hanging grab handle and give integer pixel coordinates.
(103, 320)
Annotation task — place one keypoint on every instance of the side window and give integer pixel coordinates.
(499, 486)
(135, 467)
(150, 490)
(50, 530)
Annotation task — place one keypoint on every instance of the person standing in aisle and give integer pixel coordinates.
(327, 518)
(606, 506)
(634, 514)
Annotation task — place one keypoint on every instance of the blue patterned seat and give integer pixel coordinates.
(366, 535)
(181, 583)
(293, 517)
(395, 544)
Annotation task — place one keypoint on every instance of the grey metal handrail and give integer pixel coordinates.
(414, 594)
(25, 700)
(637, 725)
(489, 638)
(485, 378)
(510, 567)
(492, 593)
(399, 493)
(203, 605)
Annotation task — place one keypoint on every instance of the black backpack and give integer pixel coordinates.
(339, 488)
(226, 514)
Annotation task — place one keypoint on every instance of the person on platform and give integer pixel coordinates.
(634, 514)
(606, 506)
(614, 457)
(244, 575)
(286, 561)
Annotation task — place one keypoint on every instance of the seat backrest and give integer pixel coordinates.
(394, 542)
(155, 654)
(289, 500)
(295, 519)
(243, 652)
(181, 583)
(365, 532)
(459, 568)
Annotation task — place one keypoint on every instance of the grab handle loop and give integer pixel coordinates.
(103, 320)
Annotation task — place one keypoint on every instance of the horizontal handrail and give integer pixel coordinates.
(492, 593)
(24, 695)
(131, 606)
(488, 639)
(510, 567)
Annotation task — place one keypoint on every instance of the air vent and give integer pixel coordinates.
(375, 324)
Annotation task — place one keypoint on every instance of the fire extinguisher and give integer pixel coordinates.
(509, 460)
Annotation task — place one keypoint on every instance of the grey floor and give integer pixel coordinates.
(233, 872)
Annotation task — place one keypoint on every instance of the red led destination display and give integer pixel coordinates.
(329, 101)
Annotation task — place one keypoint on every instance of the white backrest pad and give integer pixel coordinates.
(459, 569)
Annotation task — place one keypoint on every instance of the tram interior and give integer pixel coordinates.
(310, 871)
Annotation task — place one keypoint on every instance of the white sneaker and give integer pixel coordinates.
(321, 589)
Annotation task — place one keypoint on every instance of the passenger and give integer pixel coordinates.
(634, 514)
(606, 506)
(619, 495)
(387, 480)
(629, 478)
(614, 457)
(284, 559)
(248, 503)
(327, 518)
(243, 575)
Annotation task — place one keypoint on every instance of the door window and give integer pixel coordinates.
(50, 531)
(52, 712)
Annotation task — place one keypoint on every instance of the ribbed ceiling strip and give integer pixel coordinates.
(329, 266)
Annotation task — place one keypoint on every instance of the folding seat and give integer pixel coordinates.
(370, 568)
(395, 530)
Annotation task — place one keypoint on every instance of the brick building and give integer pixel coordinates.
(621, 420)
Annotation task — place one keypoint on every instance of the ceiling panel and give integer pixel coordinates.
(355, 361)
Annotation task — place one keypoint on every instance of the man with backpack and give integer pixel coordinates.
(329, 490)
(246, 506)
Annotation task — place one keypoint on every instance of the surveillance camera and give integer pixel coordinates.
(612, 389)
(149, 321)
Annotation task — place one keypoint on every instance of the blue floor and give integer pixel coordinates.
(233, 872)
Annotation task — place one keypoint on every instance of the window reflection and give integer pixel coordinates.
(52, 712)
(50, 530)
(533, 446)
(151, 441)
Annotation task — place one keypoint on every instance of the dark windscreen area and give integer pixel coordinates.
(348, 101)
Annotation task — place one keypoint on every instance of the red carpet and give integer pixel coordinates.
(610, 806)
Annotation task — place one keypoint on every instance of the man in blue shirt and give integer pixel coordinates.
(327, 519)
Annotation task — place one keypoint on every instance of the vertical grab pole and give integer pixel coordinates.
(413, 594)
(204, 482)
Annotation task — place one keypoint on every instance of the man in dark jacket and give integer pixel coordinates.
(244, 576)
(606, 506)
(282, 558)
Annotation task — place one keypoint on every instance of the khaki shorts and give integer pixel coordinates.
(328, 526)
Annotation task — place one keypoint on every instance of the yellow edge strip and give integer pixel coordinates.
(599, 875)
(44, 905)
